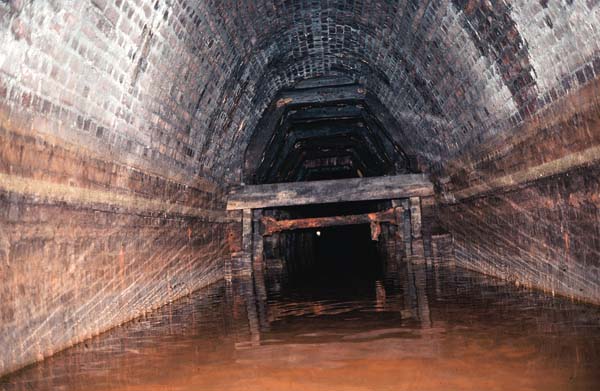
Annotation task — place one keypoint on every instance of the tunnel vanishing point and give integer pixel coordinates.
(148, 146)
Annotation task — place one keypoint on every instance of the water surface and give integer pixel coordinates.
(414, 329)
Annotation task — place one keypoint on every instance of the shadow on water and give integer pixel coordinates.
(346, 320)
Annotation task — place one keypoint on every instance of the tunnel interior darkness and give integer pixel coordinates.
(333, 257)
(126, 126)
(343, 255)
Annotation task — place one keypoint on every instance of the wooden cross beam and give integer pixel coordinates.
(387, 216)
(321, 95)
(330, 191)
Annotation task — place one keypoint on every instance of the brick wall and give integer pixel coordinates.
(546, 235)
(526, 206)
(135, 114)
(104, 212)
(182, 84)
(87, 244)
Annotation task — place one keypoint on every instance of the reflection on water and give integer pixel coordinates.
(415, 329)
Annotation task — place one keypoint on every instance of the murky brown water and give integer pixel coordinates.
(418, 329)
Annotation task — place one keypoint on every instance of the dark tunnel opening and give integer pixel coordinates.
(338, 257)
(341, 256)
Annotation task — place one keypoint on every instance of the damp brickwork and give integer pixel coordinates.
(525, 206)
(171, 83)
(419, 58)
(124, 122)
(71, 272)
(103, 217)
(564, 135)
(87, 244)
(545, 235)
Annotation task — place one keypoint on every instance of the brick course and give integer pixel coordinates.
(160, 82)
(153, 103)
(546, 235)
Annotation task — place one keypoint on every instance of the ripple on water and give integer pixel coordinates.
(447, 329)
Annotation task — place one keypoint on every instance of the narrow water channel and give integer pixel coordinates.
(406, 327)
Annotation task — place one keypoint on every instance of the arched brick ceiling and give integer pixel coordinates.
(451, 72)
(180, 85)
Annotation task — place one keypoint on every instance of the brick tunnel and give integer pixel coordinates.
(154, 152)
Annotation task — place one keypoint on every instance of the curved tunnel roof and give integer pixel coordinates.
(450, 72)
(184, 83)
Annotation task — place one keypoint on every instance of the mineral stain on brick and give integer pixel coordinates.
(128, 128)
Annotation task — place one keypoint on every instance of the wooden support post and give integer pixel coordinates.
(414, 279)
(400, 248)
(258, 268)
(246, 313)
(245, 264)
(416, 227)
(427, 207)
(415, 217)
(422, 302)
(228, 269)
(407, 228)
(257, 240)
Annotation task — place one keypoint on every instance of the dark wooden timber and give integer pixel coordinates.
(324, 81)
(321, 95)
(399, 134)
(358, 146)
(314, 114)
(415, 217)
(342, 133)
(257, 243)
(330, 191)
(265, 131)
(272, 225)
(416, 228)
(244, 266)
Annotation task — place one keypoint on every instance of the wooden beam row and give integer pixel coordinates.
(329, 191)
